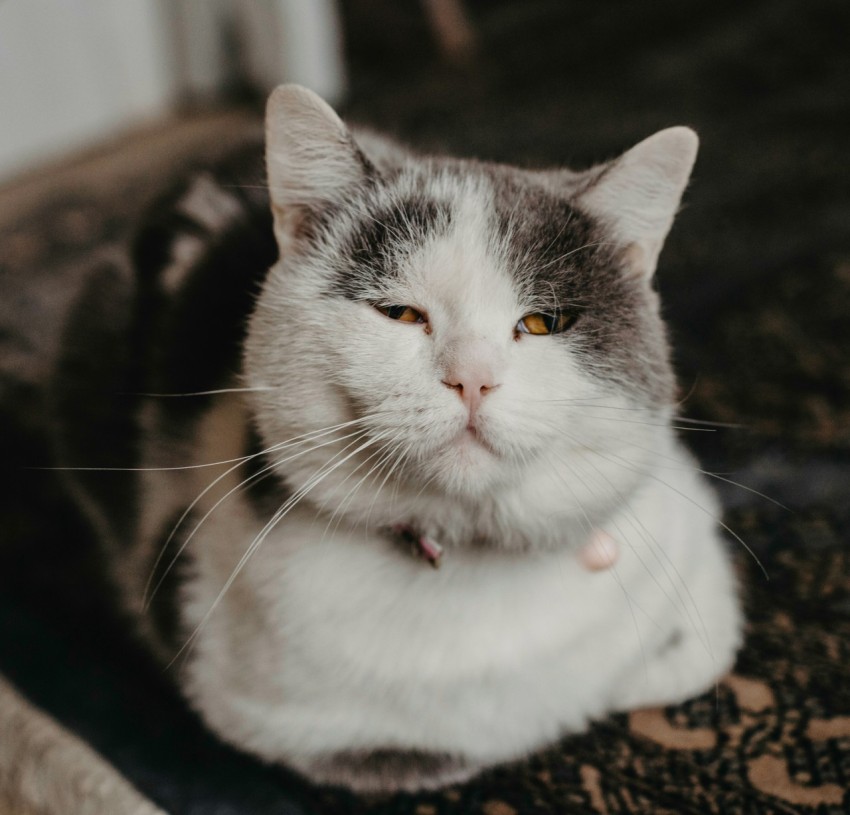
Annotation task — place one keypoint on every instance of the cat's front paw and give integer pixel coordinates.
(687, 664)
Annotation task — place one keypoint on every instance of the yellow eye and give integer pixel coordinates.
(404, 314)
(539, 323)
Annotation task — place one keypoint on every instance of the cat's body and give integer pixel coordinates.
(468, 351)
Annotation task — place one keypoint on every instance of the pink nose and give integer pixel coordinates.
(472, 384)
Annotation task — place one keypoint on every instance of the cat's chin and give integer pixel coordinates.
(468, 464)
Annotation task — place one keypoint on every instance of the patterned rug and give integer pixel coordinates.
(756, 278)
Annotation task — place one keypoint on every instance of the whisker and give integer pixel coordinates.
(738, 484)
(397, 466)
(216, 392)
(245, 482)
(148, 599)
(698, 506)
(621, 532)
(287, 506)
(654, 548)
(708, 473)
(177, 468)
(630, 602)
(638, 409)
(573, 403)
(384, 453)
(302, 439)
(707, 423)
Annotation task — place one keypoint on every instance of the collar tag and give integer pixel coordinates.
(601, 552)
(421, 545)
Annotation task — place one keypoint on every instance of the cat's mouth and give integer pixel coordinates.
(472, 435)
(471, 440)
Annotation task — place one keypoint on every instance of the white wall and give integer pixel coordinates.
(73, 72)
(294, 41)
(279, 41)
(76, 70)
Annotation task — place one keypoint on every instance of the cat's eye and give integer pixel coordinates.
(540, 323)
(404, 314)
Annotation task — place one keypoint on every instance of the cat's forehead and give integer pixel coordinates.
(465, 230)
(463, 268)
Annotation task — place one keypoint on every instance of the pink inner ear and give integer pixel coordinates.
(637, 261)
(600, 552)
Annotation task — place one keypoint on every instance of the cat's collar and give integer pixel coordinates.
(599, 553)
(420, 545)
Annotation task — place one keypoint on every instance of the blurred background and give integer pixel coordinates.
(103, 103)
(73, 72)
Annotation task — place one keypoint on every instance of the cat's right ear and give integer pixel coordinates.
(311, 160)
(637, 195)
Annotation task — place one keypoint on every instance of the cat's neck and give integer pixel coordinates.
(544, 507)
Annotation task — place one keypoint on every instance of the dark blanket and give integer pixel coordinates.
(756, 280)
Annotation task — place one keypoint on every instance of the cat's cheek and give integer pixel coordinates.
(389, 371)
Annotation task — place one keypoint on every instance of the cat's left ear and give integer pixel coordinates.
(636, 195)
(312, 161)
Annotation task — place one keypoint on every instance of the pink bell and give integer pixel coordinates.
(600, 552)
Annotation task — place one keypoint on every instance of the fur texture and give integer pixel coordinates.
(308, 634)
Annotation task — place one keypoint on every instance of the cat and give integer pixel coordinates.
(380, 363)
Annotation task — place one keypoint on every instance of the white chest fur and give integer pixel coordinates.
(333, 639)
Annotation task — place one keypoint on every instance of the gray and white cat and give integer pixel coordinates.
(461, 356)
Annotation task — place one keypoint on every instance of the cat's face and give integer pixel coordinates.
(471, 329)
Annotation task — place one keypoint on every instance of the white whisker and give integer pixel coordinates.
(215, 392)
(630, 602)
(245, 482)
(302, 439)
(287, 506)
(655, 548)
(701, 509)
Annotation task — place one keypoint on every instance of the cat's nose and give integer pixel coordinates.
(472, 383)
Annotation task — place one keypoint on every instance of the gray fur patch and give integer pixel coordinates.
(376, 243)
(390, 769)
(563, 260)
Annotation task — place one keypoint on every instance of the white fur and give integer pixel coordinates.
(331, 637)
(334, 639)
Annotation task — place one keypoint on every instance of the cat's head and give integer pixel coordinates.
(471, 330)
